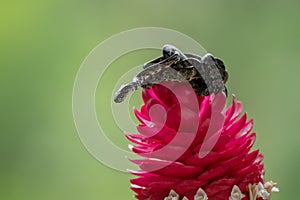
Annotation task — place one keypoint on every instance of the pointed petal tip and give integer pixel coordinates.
(172, 196)
(200, 195)
(236, 193)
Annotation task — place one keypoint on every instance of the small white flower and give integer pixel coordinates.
(270, 187)
(262, 192)
(236, 193)
(200, 195)
(172, 196)
(275, 189)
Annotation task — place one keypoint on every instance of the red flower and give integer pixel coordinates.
(189, 144)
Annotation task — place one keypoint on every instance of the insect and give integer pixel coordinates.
(206, 74)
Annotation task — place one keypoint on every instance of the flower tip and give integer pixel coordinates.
(130, 147)
(201, 195)
(270, 187)
(275, 189)
(172, 196)
(260, 190)
(236, 193)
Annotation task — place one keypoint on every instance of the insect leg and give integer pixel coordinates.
(189, 55)
(153, 62)
(168, 51)
(153, 74)
(124, 91)
(184, 63)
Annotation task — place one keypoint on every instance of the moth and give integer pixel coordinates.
(206, 74)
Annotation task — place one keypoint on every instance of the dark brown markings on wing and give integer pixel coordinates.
(219, 63)
(159, 73)
(221, 67)
(208, 78)
(206, 75)
(153, 74)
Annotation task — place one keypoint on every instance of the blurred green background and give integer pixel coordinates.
(43, 44)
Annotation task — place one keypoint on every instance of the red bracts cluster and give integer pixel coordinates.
(189, 143)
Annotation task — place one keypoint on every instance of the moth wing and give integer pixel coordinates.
(158, 73)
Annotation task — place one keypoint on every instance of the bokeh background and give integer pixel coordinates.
(43, 44)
